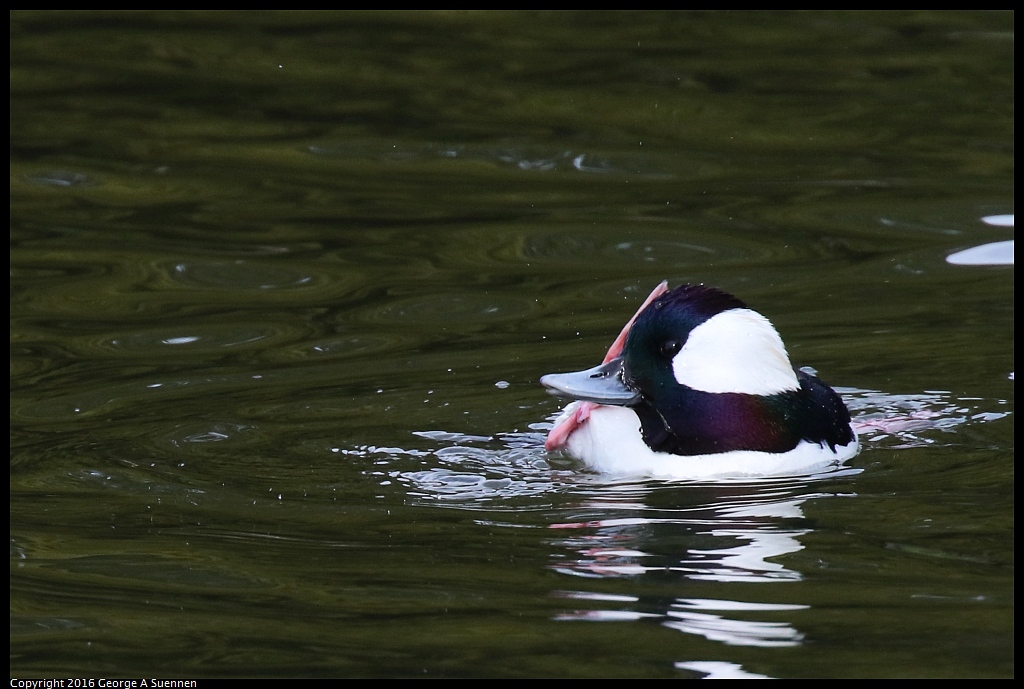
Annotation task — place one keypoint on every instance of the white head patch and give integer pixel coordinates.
(735, 351)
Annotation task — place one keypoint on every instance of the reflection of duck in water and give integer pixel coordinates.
(698, 385)
(741, 533)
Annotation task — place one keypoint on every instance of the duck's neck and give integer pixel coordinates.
(694, 422)
(699, 423)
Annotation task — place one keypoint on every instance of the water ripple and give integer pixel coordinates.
(438, 309)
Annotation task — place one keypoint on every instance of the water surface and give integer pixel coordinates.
(282, 285)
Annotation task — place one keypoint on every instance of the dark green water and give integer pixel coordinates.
(282, 285)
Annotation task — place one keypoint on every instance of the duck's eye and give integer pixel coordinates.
(671, 347)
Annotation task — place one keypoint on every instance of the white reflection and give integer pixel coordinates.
(733, 533)
(999, 220)
(716, 669)
(993, 254)
(696, 616)
(736, 539)
(603, 616)
(735, 632)
(592, 595)
(714, 604)
(731, 631)
(748, 562)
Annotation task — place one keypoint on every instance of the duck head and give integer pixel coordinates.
(705, 375)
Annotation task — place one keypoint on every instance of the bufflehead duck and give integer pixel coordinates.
(697, 385)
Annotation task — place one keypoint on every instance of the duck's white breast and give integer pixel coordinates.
(610, 442)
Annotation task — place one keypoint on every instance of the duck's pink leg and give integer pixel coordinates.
(559, 435)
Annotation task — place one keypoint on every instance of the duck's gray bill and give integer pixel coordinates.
(601, 384)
